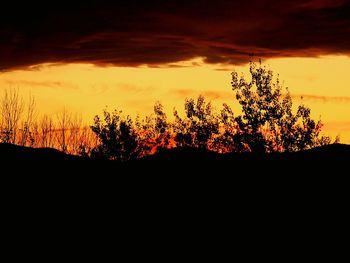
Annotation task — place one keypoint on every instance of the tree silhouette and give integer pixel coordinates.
(199, 126)
(117, 136)
(11, 110)
(161, 128)
(154, 132)
(225, 141)
(267, 122)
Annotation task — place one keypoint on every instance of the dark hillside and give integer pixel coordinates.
(190, 177)
(332, 158)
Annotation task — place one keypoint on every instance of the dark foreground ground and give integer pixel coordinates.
(180, 173)
(322, 170)
(331, 159)
(296, 197)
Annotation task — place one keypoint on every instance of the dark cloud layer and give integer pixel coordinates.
(156, 32)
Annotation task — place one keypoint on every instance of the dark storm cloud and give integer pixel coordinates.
(132, 33)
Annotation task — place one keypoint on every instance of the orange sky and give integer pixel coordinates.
(87, 89)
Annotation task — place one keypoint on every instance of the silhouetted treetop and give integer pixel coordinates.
(268, 122)
(199, 125)
(117, 136)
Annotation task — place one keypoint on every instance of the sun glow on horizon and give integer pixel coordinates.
(87, 89)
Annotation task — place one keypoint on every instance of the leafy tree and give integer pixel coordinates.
(268, 122)
(162, 128)
(145, 132)
(225, 141)
(199, 126)
(154, 132)
(117, 136)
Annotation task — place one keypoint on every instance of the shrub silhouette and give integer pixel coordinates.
(267, 123)
(117, 136)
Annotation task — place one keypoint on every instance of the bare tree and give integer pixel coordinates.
(75, 131)
(11, 107)
(46, 131)
(63, 122)
(28, 123)
(87, 141)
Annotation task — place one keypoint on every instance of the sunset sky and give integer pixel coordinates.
(86, 55)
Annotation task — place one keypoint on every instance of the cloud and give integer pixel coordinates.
(322, 99)
(230, 96)
(210, 95)
(130, 88)
(41, 84)
(134, 33)
(340, 126)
